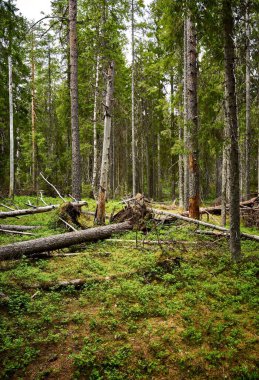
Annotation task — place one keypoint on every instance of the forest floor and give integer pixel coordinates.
(136, 318)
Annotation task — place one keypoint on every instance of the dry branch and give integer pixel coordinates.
(56, 190)
(15, 232)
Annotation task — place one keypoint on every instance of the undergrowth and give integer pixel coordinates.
(176, 310)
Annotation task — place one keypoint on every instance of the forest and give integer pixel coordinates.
(129, 196)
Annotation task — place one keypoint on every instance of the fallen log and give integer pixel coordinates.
(8, 214)
(199, 222)
(17, 227)
(51, 243)
(216, 210)
(212, 233)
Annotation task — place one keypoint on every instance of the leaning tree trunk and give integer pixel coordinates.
(231, 108)
(100, 216)
(11, 187)
(50, 243)
(248, 106)
(76, 161)
(192, 119)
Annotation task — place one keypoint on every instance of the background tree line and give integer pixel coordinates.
(156, 162)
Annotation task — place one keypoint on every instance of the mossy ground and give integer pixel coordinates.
(195, 321)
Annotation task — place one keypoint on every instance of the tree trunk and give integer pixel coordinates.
(11, 187)
(200, 223)
(224, 187)
(185, 131)
(258, 167)
(37, 210)
(14, 227)
(76, 160)
(33, 121)
(231, 107)
(248, 106)
(133, 142)
(95, 127)
(50, 243)
(159, 185)
(100, 218)
(192, 118)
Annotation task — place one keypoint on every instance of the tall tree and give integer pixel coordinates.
(192, 118)
(33, 119)
(76, 158)
(10, 67)
(133, 142)
(248, 105)
(231, 109)
(100, 212)
(185, 119)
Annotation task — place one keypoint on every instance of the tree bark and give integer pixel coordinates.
(185, 128)
(248, 107)
(159, 185)
(76, 160)
(192, 119)
(11, 187)
(95, 127)
(37, 210)
(231, 106)
(258, 167)
(17, 227)
(50, 243)
(100, 218)
(133, 142)
(33, 121)
(224, 188)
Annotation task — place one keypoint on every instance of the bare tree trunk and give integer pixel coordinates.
(248, 106)
(100, 217)
(192, 117)
(185, 131)
(33, 121)
(258, 168)
(133, 142)
(224, 186)
(231, 106)
(95, 127)
(158, 167)
(11, 187)
(76, 160)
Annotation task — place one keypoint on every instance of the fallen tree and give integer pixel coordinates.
(199, 222)
(17, 227)
(216, 210)
(27, 248)
(37, 210)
